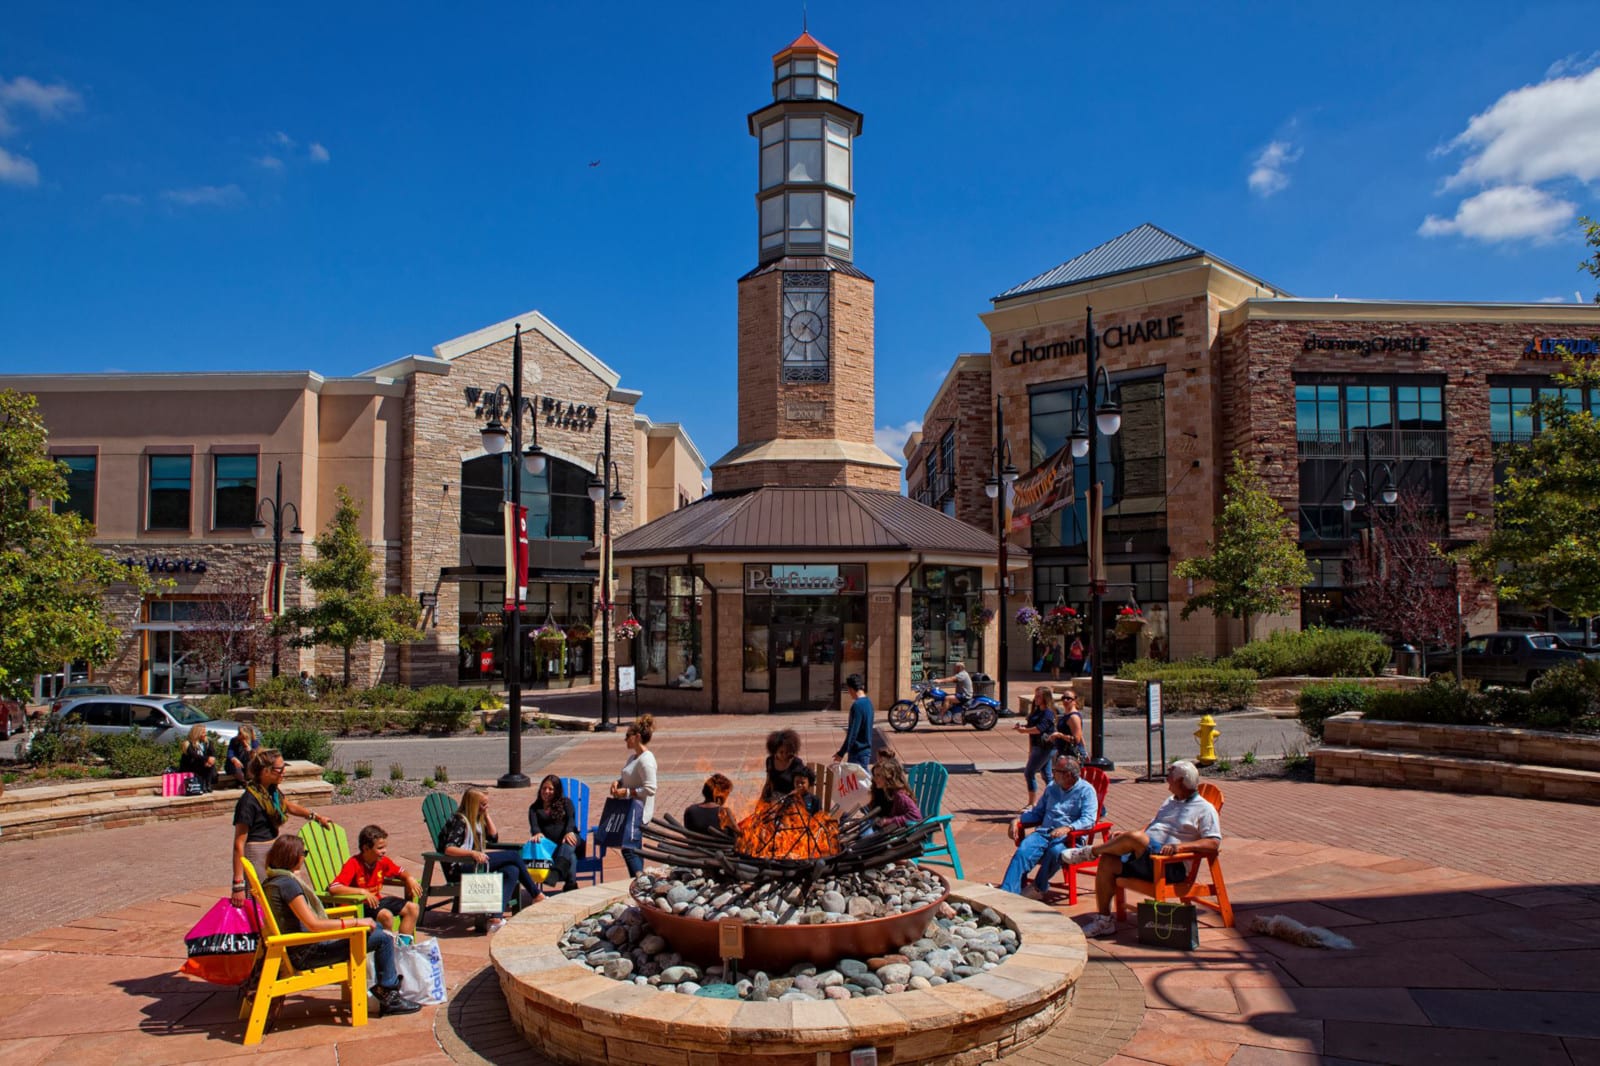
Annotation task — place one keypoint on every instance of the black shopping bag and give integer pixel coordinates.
(620, 823)
(1169, 925)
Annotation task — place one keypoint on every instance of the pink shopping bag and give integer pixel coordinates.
(172, 784)
(222, 945)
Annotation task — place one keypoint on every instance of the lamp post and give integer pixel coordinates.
(276, 506)
(1003, 474)
(1107, 421)
(495, 437)
(605, 488)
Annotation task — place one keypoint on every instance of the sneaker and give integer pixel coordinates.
(1032, 892)
(390, 1001)
(1073, 856)
(496, 924)
(1100, 926)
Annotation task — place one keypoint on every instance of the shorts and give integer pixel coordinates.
(1143, 868)
(393, 904)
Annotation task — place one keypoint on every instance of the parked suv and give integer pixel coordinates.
(1507, 658)
(161, 718)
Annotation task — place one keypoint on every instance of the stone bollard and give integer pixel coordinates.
(1207, 736)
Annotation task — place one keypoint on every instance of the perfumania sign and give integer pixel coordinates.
(1142, 332)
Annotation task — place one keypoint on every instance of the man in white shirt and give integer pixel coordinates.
(1186, 825)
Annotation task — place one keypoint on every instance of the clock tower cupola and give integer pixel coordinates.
(805, 311)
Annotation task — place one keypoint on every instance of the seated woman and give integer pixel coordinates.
(196, 757)
(467, 836)
(786, 774)
(244, 744)
(552, 817)
(711, 815)
(892, 805)
(298, 910)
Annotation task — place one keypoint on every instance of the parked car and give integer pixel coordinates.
(1508, 658)
(161, 718)
(13, 718)
(76, 689)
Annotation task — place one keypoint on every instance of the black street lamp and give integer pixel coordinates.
(605, 488)
(1107, 421)
(1003, 475)
(276, 506)
(510, 402)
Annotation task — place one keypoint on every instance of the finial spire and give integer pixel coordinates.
(803, 27)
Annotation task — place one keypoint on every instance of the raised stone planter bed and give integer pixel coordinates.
(1272, 693)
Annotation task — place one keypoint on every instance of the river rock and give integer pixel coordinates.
(830, 979)
(678, 974)
(919, 983)
(833, 903)
(836, 992)
(688, 988)
(680, 894)
(921, 969)
(853, 968)
(861, 907)
(652, 945)
(896, 973)
(617, 969)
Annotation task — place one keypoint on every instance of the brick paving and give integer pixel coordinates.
(1476, 920)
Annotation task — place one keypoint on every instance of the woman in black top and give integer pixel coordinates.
(551, 817)
(711, 815)
(786, 774)
(196, 757)
(259, 814)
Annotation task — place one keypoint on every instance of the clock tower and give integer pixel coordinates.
(805, 311)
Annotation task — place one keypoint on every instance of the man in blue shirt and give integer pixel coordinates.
(1069, 803)
(857, 746)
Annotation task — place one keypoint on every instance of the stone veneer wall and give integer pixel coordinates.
(968, 407)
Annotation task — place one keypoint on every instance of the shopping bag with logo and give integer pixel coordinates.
(480, 893)
(194, 786)
(1169, 925)
(537, 856)
(620, 823)
(852, 788)
(222, 944)
(172, 784)
(421, 969)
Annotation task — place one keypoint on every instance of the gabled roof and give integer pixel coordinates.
(532, 322)
(1139, 248)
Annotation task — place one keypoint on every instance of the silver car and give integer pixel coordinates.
(161, 718)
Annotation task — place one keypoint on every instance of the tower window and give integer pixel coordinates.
(805, 217)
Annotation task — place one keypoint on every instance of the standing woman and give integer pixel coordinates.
(1040, 727)
(786, 774)
(637, 781)
(260, 813)
(196, 757)
(551, 817)
(467, 836)
(1068, 736)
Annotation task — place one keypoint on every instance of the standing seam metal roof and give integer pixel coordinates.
(1145, 246)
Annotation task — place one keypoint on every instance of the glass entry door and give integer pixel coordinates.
(805, 666)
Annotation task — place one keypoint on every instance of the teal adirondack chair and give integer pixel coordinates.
(590, 866)
(927, 780)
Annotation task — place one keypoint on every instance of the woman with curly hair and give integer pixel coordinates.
(711, 815)
(786, 774)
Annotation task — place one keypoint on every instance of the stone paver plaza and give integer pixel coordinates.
(1476, 922)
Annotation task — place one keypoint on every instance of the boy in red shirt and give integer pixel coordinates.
(365, 875)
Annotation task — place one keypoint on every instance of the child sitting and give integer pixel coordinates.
(365, 875)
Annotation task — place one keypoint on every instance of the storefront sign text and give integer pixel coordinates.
(1365, 345)
(798, 580)
(1143, 332)
(165, 564)
(1550, 348)
(488, 403)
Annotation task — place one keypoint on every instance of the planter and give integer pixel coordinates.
(1533, 747)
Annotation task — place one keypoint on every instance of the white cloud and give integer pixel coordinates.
(1573, 64)
(1268, 174)
(283, 139)
(17, 170)
(1552, 299)
(46, 101)
(205, 196)
(269, 162)
(892, 439)
(1537, 133)
(318, 153)
(1505, 213)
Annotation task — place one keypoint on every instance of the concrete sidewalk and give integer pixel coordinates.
(1476, 922)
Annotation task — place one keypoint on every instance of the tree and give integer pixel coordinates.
(1255, 564)
(1544, 547)
(348, 610)
(1402, 584)
(53, 581)
(1591, 265)
(230, 628)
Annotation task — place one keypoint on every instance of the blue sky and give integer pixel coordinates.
(333, 186)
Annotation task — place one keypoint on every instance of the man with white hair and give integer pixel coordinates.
(1186, 825)
(1068, 804)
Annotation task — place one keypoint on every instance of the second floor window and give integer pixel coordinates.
(79, 499)
(168, 505)
(234, 503)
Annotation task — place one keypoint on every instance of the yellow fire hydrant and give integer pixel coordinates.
(1207, 736)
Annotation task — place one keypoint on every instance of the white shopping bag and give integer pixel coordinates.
(852, 788)
(421, 969)
(480, 893)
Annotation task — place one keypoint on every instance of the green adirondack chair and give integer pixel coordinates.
(326, 853)
(927, 780)
(436, 811)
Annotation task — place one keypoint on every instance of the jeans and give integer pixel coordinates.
(1037, 849)
(380, 954)
(1038, 764)
(633, 861)
(562, 865)
(510, 866)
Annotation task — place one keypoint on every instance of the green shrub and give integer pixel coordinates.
(1441, 701)
(282, 691)
(427, 782)
(386, 696)
(441, 773)
(397, 771)
(1195, 687)
(363, 768)
(1315, 652)
(219, 706)
(132, 755)
(297, 736)
(387, 790)
(442, 709)
(487, 700)
(1153, 669)
(1318, 703)
(333, 776)
(57, 741)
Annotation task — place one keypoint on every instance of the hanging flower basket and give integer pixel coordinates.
(984, 616)
(549, 635)
(1030, 619)
(580, 632)
(1130, 621)
(629, 628)
(1062, 621)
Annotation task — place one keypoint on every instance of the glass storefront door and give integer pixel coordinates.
(805, 666)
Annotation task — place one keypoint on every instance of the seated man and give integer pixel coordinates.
(963, 683)
(1068, 803)
(1185, 825)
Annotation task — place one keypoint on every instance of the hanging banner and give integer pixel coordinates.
(1042, 491)
(516, 539)
(272, 591)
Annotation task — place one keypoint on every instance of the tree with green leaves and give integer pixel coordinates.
(53, 581)
(1255, 564)
(1544, 547)
(348, 610)
(1591, 265)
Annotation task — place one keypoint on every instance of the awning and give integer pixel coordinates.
(535, 573)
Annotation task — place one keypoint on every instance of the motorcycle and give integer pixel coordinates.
(980, 712)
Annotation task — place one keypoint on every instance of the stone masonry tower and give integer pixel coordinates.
(805, 312)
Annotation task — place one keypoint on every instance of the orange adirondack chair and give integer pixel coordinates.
(1213, 894)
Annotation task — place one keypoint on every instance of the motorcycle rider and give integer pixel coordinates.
(963, 693)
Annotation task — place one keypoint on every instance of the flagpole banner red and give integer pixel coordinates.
(1042, 491)
(516, 541)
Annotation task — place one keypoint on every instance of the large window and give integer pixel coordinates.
(234, 499)
(557, 500)
(1141, 584)
(945, 625)
(667, 603)
(168, 505)
(80, 486)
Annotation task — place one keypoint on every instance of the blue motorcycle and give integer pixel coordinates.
(980, 712)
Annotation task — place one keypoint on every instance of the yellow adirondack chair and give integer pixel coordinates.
(327, 850)
(279, 977)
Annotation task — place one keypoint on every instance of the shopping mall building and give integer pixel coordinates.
(174, 471)
(1331, 398)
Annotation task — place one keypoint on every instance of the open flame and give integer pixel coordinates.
(782, 828)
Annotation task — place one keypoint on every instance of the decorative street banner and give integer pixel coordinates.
(1042, 491)
(272, 591)
(516, 533)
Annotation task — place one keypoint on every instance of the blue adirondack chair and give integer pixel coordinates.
(927, 780)
(592, 865)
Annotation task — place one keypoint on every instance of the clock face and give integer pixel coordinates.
(805, 328)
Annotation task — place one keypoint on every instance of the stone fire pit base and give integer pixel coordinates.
(575, 1016)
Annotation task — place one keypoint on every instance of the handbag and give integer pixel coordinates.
(480, 893)
(194, 787)
(537, 855)
(222, 944)
(620, 823)
(1169, 925)
(173, 782)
